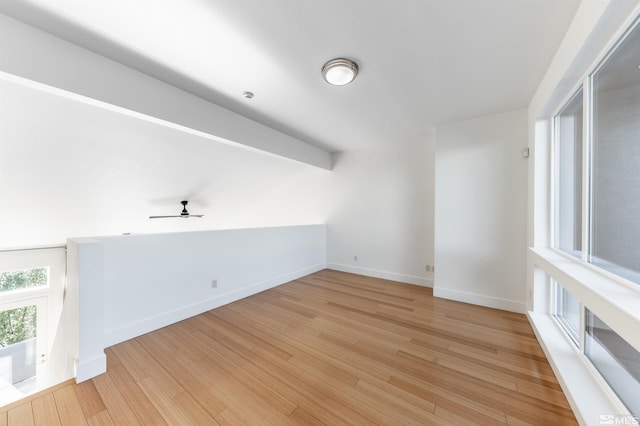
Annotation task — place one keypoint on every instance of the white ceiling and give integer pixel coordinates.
(422, 62)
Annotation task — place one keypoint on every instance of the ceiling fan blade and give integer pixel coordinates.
(184, 214)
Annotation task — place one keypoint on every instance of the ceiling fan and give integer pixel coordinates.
(184, 214)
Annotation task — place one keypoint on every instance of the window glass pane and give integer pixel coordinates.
(568, 312)
(569, 177)
(27, 278)
(616, 162)
(615, 359)
(18, 352)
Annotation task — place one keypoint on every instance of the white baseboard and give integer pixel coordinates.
(89, 368)
(120, 334)
(393, 276)
(480, 299)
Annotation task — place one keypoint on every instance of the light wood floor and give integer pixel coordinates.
(331, 348)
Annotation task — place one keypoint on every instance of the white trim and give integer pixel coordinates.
(114, 336)
(481, 299)
(386, 275)
(615, 304)
(90, 367)
(583, 388)
(29, 248)
(587, 169)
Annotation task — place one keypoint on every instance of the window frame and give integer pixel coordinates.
(575, 336)
(595, 288)
(555, 170)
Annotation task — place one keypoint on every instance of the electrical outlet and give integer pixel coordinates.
(429, 268)
(355, 258)
(214, 283)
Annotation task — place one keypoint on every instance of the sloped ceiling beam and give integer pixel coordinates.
(35, 55)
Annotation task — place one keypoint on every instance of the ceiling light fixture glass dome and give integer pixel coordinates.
(340, 71)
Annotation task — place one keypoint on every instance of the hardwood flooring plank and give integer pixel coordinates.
(361, 410)
(130, 362)
(296, 389)
(68, 406)
(244, 402)
(228, 418)
(164, 403)
(112, 358)
(45, 412)
(100, 419)
(394, 404)
(174, 360)
(195, 412)
(21, 415)
(152, 368)
(457, 360)
(303, 417)
(468, 409)
(143, 409)
(116, 404)
(89, 398)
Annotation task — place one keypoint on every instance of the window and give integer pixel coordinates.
(21, 344)
(568, 212)
(25, 278)
(568, 313)
(596, 215)
(22, 335)
(616, 360)
(33, 355)
(615, 206)
(611, 161)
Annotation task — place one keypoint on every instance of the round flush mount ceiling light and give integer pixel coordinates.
(340, 71)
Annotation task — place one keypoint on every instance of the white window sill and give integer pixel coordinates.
(588, 396)
(614, 302)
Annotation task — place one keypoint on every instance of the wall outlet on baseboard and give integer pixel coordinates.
(430, 268)
(214, 283)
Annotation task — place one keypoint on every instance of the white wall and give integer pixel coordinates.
(383, 211)
(130, 285)
(68, 169)
(481, 209)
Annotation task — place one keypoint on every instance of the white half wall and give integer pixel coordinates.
(144, 282)
(481, 211)
(381, 220)
(86, 286)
